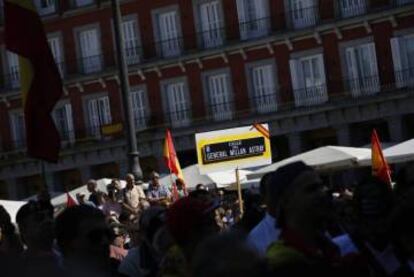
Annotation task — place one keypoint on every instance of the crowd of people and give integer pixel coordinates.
(295, 225)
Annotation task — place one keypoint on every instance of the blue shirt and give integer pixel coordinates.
(161, 191)
(263, 234)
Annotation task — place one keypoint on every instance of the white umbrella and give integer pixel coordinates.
(12, 207)
(403, 152)
(192, 177)
(322, 158)
(226, 178)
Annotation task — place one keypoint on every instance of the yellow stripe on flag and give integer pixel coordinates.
(26, 77)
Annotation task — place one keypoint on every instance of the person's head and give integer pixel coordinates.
(119, 235)
(91, 186)
(201, 187)
(190, 220)
(155, 179)
(83, 236)
(227, 255)
(180, 184)
(112, 194)
(115, 184)
(130, 180)
(80, 197)
(35, 223)
(302, 197)
(373, 202)
(403, 225)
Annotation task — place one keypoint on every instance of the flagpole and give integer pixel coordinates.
(133, 154)
(239, 192)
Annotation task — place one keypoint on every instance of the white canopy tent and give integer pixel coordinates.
(322, 158)
(102, 184)
(193, 177)
(12, 207)
(400, 153)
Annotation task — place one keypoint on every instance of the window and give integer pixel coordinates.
(18, 129)
(219, 97)
(168, 34)
(264, 90)
(308, 80)
(211, 24)
(404, 2)
(13, 70)
(253, 21)
(56, 49)
(403, 58)
(351, 8)
(303, 13)
(91, 58)
(139, 104)
(80, 3)
(362, 70)
(99, 113)
(45, 6)
(130, 34)
(177, 104)
(64, 122)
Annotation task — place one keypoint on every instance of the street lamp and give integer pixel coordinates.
(132, 147)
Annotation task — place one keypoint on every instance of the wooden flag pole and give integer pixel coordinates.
(239, 192)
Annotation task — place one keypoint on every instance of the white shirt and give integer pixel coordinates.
(263, 234)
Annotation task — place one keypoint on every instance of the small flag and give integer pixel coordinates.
(41, 84)
(262, 129)
(170, 157)
(380, 167)
(70, 202)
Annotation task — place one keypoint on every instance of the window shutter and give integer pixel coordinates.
(296, 74)
(106, 110)
(396, 58)
(352, 68)
(129, 30)
(69, 122)
(14, 71)
(375, 82)
(93, 116)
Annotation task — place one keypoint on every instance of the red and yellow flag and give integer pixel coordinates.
(70, 202)
(171, 159)
(380, 167)
(262, 129)
(41, 84)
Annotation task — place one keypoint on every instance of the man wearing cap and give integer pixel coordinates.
(157, 193)
(132, 195)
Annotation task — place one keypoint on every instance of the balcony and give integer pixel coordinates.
(170, 48)
(405, 78)
(266, 103)
(82, 3)
(351, 8)
(364, 86)
(303, 18)
(212, 38)
(181, 118)
(221, 111)
(91, 64)
(255, 28)
(311, 96)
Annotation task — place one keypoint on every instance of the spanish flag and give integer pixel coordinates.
(380, 167)
(40, 80)
(170, 157)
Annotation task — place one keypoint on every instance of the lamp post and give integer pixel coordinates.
(132, 147)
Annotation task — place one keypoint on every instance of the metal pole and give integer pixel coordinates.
(239, 192)
(132, 148)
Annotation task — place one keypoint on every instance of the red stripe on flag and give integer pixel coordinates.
(259, 127)
(25, 36)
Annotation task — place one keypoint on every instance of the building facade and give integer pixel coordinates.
(318, 71)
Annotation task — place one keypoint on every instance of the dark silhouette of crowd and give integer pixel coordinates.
(298, 224)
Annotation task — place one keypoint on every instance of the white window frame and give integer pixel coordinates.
(403, 71)
(177, 104)
(263, 87)
(211, 30)
(99, 114)
(253, 20)
(140, 107)
(90, 62)
(169, 40)
(132, 43)
(350, 8)
(13, 69)
(69, 134)
(219, 95)
(302, 13)
(18, 132)
(308, 92)
(51, 7)
(358, 82)
(55, 45)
